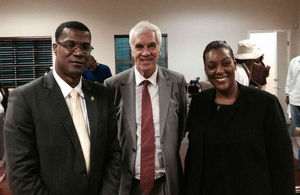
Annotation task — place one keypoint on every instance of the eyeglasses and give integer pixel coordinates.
(72, 46)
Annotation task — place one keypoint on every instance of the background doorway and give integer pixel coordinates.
(276, 48)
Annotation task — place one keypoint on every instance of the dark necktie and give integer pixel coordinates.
(147, 142)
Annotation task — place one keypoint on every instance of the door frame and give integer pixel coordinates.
(276, 84)
(289, 33)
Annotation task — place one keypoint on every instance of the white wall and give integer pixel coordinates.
(190, 24)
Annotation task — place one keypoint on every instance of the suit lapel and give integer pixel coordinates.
(164, 91)
(60, 108)
(128, 94)
(92, 113)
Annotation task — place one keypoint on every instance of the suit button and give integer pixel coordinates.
(83, 174)
(134, 149)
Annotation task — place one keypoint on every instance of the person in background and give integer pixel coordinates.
(61, 130)
(250, 69)
(260, 72)
(3, 107)
(96, 72)
(152, 109)
(292, 90)
(238, 141)
(4, 188)
(1, 125)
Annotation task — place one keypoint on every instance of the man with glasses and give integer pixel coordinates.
(60, 129)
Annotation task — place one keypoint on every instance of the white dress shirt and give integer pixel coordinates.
(292, 87)
(1, 107)
(66, 90)
(153, 91)
(241, 74)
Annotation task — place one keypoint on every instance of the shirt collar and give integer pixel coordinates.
(65, 87)
(139, 78)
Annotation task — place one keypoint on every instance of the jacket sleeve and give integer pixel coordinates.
(192, 168)
(279, 150)
(111, 180)
(183, 107)
(106, 83)
(21, 149)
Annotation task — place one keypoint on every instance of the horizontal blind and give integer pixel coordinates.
(23, 60)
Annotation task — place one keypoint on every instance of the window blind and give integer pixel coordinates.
(23, 59)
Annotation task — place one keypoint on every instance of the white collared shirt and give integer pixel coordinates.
(1, 107)
(241, 74)
(66, 90)
(292, 87)
(153, 91)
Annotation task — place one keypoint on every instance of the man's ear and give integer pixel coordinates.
(131, 52)
(234, 61)
(54, 46)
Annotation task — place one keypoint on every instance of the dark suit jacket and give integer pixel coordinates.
(44, 155)
(172, 108)
(258, 158)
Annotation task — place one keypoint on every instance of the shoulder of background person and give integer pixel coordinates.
(295, 59)
(103, 66)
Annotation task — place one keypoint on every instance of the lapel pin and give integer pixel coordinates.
(92, 98)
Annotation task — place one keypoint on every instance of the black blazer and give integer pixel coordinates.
(258, 156)
(44, 155)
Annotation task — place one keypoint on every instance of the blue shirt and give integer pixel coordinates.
(100, 74)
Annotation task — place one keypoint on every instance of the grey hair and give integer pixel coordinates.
(143, 27)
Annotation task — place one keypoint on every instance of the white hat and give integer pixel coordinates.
(247, 50)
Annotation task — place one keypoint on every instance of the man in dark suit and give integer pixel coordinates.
(48, 150)
(166, 90)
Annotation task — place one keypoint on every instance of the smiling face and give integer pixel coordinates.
(145, 51)
(220, 69)
(70, 65)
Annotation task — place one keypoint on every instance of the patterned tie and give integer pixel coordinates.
(147, 142)
(80, 127)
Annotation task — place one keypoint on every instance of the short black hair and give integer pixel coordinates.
(70, 24)
(217, 45)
